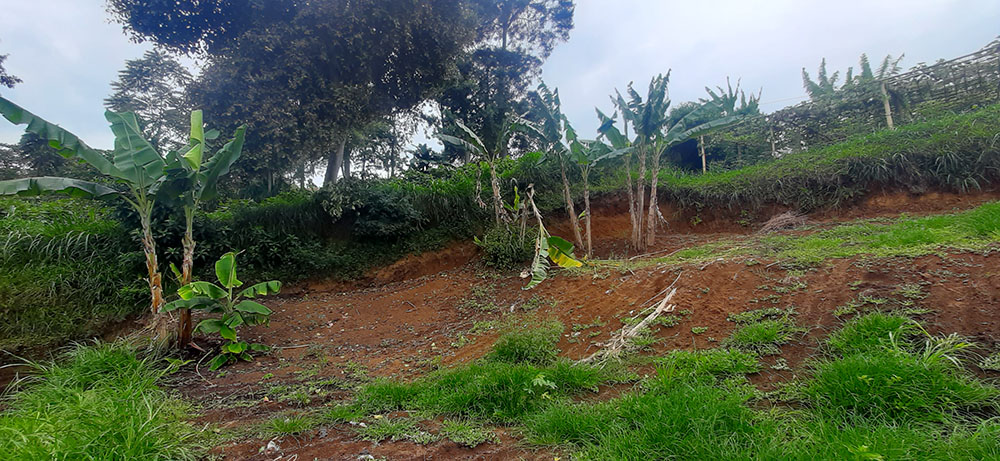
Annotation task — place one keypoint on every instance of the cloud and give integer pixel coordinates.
(765, 43)
(68, 53)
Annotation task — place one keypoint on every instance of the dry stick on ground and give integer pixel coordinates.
(616, 344)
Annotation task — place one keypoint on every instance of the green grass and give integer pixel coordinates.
(290, 424)
(763, 337)
(97, 402)
(67, 270)
(871, 332)
(528, 345)
(486, 390)
(395, 429)
(708, 363)
(897, 386)
(973, 230)
(674, 418)
(952, 152)
(466, 432)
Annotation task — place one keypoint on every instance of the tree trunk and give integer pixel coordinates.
(641, 199)
(301, 175)
(497, 200)
(187, 266)
(334, 163)
(159, 322)
(885, 105)
(701, 151)
(651, 220)
(570, 209)
(631, 200)
(585, 172)
(347, 163)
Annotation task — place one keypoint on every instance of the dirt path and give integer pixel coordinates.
(328, 338)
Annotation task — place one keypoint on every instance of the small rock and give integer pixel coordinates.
(272, 447)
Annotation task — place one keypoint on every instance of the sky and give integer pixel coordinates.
(69, 55)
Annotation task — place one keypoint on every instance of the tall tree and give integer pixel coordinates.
(304, 81)
(153, 88)
(7, 79)
(515, 37)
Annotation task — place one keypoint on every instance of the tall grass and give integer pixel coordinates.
(67, 268)
(99, 402)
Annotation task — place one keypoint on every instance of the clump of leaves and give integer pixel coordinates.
(466, 432)
(236, 309)
(394, 430)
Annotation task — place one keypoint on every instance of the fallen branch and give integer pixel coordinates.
(618, 343)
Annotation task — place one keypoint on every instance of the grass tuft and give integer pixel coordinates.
(98, 402)
(871, 332)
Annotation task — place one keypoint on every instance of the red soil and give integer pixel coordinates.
(409, 318)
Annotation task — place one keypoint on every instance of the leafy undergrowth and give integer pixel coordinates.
(98, 402)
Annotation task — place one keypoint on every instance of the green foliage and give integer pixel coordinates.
(764, 336)
(67, 270)
(394, 429)
(236, 309)
(871, 333)
(97, 402)
(466, 432)
(536, 346)
(505, 247)
(487, 390)
(951, 152)
(898, 386)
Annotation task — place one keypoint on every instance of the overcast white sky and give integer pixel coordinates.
(67, 53)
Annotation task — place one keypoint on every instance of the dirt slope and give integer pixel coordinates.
(431, 310)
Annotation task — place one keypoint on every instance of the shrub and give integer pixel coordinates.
(505, 247)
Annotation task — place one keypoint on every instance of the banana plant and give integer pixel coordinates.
(489, 154)
(551, 128)
(587, 154)
(191, 181)
(133, 164)
(547, 248)
(655, 132)
(236, 309)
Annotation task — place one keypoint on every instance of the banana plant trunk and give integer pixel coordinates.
(631, 200)
(497, 199)
(640, 242)
(573, 220)
(184, 327)
(701, 151)
(159, 323)
(585, 172)
(651, 219)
